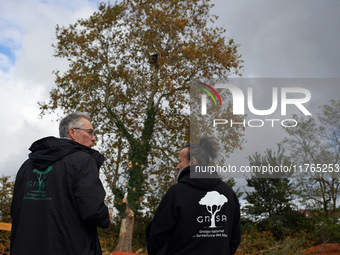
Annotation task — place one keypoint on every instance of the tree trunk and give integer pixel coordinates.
(126, 230)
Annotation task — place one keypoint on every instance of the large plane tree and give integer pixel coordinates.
(130, 66)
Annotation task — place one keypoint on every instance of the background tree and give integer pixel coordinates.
(6, 194)
(130, 66)
(271, 196)
(316, 142)
(271, 201)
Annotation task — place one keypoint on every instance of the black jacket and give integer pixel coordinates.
(196, 217)
(58, 200)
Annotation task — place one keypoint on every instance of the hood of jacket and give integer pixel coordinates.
(204, 181)
(48, 150)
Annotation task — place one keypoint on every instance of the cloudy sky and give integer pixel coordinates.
(278, 39)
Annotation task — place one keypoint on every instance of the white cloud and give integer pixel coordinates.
(27, 29)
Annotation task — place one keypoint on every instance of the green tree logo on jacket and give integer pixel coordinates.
(41, 175)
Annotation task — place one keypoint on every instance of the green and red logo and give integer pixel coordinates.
(209, 93)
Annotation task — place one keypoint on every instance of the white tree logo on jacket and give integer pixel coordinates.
(213, 202)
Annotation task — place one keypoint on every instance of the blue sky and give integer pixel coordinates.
(278, 38)
(8, 57)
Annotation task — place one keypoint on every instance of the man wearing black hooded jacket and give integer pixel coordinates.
(58, 199)
(197, 216)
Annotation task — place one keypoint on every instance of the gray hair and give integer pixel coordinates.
(202, 152)
(72, 121)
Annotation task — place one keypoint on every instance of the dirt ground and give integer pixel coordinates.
(325, 249)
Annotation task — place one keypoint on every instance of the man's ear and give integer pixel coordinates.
(71, 134)
(193, 161)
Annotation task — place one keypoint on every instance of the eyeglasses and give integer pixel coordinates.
(89, 131)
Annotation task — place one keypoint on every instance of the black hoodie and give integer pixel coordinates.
(58, 200)
(197, 216)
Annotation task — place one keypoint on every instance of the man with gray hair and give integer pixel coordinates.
(198, 215)
(58, 199)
